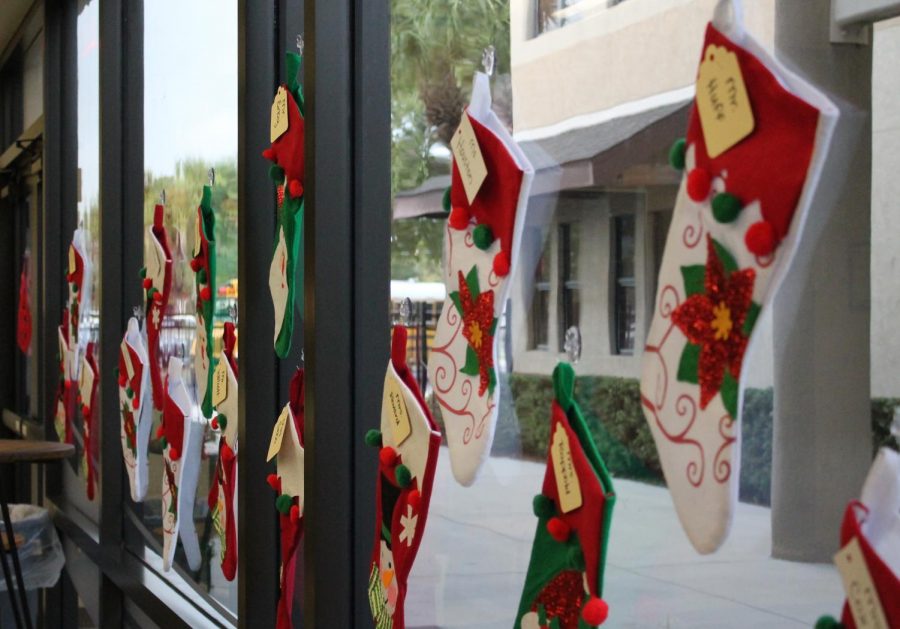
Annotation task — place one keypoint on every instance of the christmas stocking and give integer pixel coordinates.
(287, 446)
(66, 393)
(135, 402)
(287, 136)
(23, 323)
(157, 280)
(870, 534)
(755, 145)
(204, 266)
(408, 440)
(223, 493)
(480, 255)
(79, 281)
(564, 581)
(181, 436)
(89, 380)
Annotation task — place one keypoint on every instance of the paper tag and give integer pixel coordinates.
(279, 120)
(393, 406)
(72, 265)
(278, 281)
(564, 469)
(861, 593)
(722, 102)
(155, 262)
(220, 383)
(278, 432)
(86, 381)
(126, 355)
(469, 160)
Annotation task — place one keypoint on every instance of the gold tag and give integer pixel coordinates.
(278, 432)
(126, 355)
(861, 593)
(220, 384)
(279, 120)
(394, 406)
(469, 160)
(86, 381)
(72, 266)
(722, 102)
(564, 469)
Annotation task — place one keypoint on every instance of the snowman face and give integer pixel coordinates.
(388, 577)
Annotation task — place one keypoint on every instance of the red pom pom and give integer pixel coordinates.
(760, 238)
(206, 293)
(295, 513)
(174, 454)
(501, 264)
(195, 264)
(558, 529)
(157, 297)
(135, 402)
(595, 611)
(698, 184)
(459, 218)
(123, 380)
(274, 482)
(414, 499)
(295, 188)
(388, 456)
(85, 410)
(147, 283)
(214, 423)
(269, 154)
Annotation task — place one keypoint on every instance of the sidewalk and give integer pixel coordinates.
(472, 562)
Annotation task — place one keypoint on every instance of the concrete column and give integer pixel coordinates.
(822, 437)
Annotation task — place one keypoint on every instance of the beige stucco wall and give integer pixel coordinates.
(629, 52)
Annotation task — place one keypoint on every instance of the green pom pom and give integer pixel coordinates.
(576, 557)
(676, 154)
(828, 622)
(543, 506)
(276, 173)
(373, 438)
(222, 420)
(404, 476)
(446, 200)
(74, 287)
(726, 207)
(129, 393)
(201, 276)
(163, 442)
(483, 237)
(283, 504)
(143, 272)
(151, 291)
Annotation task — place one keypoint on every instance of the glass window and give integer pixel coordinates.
(624, 310)
(569, 236)
(190, 127)
(540, 305)
(554, 14)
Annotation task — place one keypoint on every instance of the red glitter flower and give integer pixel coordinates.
(477, 310)
(715, 320)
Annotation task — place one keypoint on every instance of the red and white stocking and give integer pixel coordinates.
(738, 215)
(157, 282)
(89, 380)
(135, 408)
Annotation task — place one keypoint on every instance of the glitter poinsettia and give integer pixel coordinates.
(479, 325)
(717, 318)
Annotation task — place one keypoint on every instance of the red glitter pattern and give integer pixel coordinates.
(478, 320)
(562, 599)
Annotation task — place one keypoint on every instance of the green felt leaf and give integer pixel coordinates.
(750, 319)
(694, 277)
(454, 296)
(725, 257)
(729, 393)
(471, 366)
(472, 282)
(689, 364)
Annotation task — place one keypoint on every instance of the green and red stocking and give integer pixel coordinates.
(408, 443)
(135, 408)
(203, 264)
(222, 498)
(157, 283)
(481, 245)
(287, 171)
(66, 392)
(564, 582)
(88, 382)
(287, 482)
(753, 154)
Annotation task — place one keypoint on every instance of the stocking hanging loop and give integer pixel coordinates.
(728, 17)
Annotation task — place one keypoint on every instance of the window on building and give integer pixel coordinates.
(660, 221)
(540, 305)
(554, 14)
(569, 287)
(623, 303)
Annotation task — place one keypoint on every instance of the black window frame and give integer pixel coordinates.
(569, 282)
(621, 285)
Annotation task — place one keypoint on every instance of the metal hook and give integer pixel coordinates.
(302, 358)
(488, 56)
(406, 310)
(162, 197)
(138, 313)
(211, 175)
(300, 44)
(233, 313)
(572, 344)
